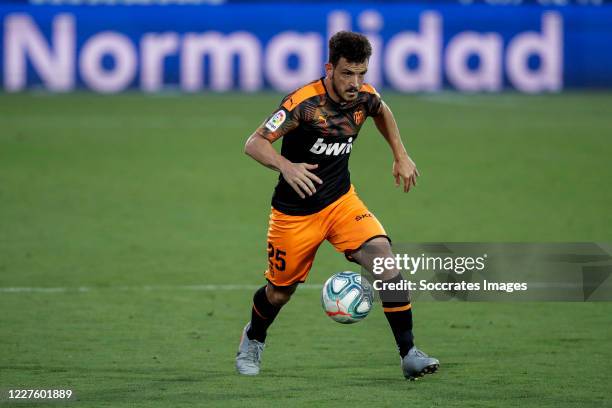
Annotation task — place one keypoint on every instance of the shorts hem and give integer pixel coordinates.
(284, 285)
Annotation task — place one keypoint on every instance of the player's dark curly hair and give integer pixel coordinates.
(353, 47)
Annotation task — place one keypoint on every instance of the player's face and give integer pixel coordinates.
(347, 78)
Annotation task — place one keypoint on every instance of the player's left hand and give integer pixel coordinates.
(405, 169)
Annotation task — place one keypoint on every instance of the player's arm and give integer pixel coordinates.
(403, 166)
(298, 175)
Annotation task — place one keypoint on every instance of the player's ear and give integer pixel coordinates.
(328, 68)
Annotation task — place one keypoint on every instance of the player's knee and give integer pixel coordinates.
(279, 295)
(378, 247)
(373, 250)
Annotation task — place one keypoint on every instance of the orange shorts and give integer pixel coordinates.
(293, 240)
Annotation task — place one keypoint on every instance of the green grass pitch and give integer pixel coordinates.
(138, 199)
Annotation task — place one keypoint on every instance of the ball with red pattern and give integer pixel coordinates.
(346, 297)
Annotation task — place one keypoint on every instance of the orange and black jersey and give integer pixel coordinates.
(318, 130)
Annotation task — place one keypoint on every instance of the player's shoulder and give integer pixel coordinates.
(369, 89)
(314, 89)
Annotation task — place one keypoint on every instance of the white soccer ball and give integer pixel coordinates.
(346, 298)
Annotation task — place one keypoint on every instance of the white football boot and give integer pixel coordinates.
(416, 364)
(248, 357)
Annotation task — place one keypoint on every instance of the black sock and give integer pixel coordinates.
(398, 311)
(399, 317)
(262, 315)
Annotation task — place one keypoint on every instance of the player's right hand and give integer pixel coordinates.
(300, 178)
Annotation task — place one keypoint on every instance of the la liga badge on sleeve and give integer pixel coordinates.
(276, 120)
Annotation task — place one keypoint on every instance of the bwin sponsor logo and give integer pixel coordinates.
(332, 149)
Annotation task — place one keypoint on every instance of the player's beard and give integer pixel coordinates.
(336, 91)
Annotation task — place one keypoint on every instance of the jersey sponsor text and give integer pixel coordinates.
(331, 149)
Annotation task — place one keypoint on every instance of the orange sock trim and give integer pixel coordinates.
(259, 314)
(397, 309)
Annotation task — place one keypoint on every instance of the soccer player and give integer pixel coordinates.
(314, 199)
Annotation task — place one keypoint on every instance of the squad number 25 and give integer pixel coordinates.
(276, 258)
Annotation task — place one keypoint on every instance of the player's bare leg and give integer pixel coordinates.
(398, 311)
(267, 302)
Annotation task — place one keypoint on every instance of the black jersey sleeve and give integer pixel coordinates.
(279, 123)
(374, 104)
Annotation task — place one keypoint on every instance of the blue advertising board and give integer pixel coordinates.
(249, 47)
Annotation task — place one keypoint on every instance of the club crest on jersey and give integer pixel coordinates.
(332, 149)
(359, 117)
(276, 120)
